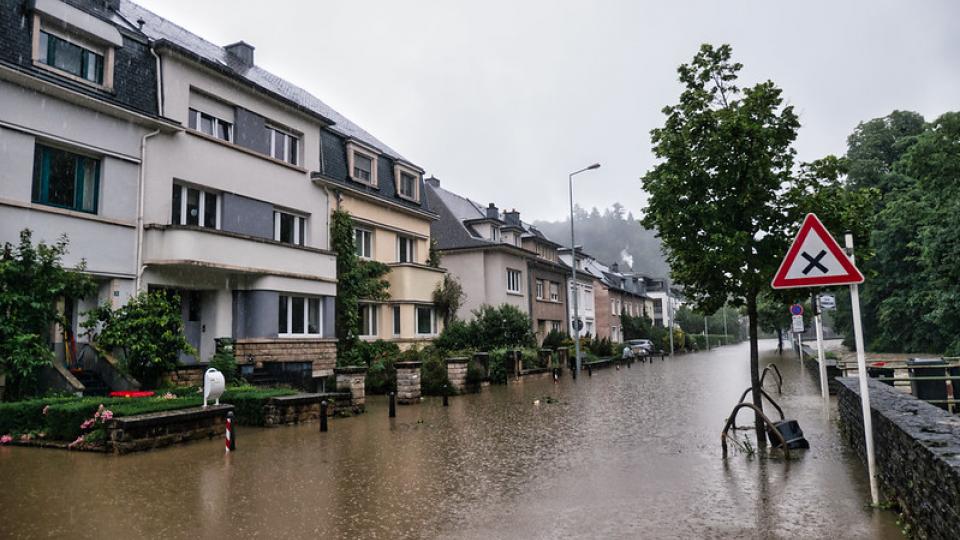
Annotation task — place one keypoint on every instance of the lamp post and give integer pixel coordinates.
(573, 264)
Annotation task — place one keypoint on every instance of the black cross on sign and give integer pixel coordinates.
(814, 262)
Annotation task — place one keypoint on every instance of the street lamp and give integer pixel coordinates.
(577, 325)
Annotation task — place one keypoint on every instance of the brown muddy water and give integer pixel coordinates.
(633, 453)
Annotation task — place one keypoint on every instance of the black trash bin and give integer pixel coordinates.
(879, 369)
(791, 432)
(928, 390)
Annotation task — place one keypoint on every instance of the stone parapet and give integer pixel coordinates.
(352, 379)
(917, 449)
(300, 408)
(457, 373)
(408, 382)
(320, 352)
(186, 375)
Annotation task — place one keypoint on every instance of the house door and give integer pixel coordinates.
(192, 325)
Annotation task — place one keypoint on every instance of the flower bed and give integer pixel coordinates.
(132, 394)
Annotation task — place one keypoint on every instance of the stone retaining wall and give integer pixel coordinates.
(408, 382)
(457, 373)
(352, 379)
(300, 408)
(156, 430)
(917, 451)
(186, 375)
(320, 351)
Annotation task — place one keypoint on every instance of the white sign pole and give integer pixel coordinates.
(800, 347)
(862, 375)
(824, 389)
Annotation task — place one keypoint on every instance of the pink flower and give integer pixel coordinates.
(5, 439)
(87, 423)
(106, 416)
(76, 442)
(169, 395)
(45, 409)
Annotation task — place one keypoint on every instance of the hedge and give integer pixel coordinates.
(64, 415)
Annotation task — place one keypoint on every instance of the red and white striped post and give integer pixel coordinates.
(231, 436)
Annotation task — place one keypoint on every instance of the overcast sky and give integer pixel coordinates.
(500, 100)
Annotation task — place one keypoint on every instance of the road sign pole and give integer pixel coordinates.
(800, 347)
(824, 388)
(862, 375)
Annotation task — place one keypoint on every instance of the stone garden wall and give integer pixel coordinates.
(156, 430)
(352, 380)
(457, 373)
(917, 451)
(408, 382)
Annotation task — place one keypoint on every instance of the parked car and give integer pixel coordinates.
(641, 347)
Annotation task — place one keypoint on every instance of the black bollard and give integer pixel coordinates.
(445, 392)
(393, 405)
(589, 370)
(231, 433)
(323, 416)
(556, 374)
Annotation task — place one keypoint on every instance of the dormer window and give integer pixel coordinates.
(408, 182)
(84, 56)
(362, 164)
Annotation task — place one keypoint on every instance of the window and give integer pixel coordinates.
(192, 206)
(78, 61)
(363, 241)
(368, 320)
(283, 145)
(494, 233)
(211, 125)
(426, 321)
(362, 167)
(299, 316)
(539, 289)
(513, 280)
(65, 179)
(405, 249)
(396, 320)
(556, 325)
(288, 228)
(554, 291)
(613, 307)
(408, 186)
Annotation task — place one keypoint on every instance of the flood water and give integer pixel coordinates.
(633, 453)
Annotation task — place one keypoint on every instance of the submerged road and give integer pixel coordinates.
(633, 453)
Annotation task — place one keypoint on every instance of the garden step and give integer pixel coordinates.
(93, 384)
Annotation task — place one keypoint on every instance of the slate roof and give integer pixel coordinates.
(158, 28)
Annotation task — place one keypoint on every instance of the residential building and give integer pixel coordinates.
(78, 97)
(627, 296)
(661, 310)
(384, 194)
(588, 281)
(481, 249)
(547, 277)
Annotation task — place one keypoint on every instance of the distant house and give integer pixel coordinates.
(499, 259)
(589, 278)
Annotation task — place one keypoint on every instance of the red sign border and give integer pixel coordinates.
(812, 222)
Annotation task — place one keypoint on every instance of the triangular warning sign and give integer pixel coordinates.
(815, 260)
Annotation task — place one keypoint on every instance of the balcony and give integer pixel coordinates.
(413, 282)
(188, 246)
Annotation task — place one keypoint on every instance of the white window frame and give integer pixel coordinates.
(287, 136)
(540, 288)
(369, 233)
(108, 52)
(554, 291)
(198, 116)
(202, 206)
(353, 148)
(433, 320)
(372, 330)
(306, 316)
(297, 221)
(518, 275)
(411, 245)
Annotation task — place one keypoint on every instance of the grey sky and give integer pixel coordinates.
(501, 99)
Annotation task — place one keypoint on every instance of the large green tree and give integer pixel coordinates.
(32, 280)
(716, 195)
(357, 280)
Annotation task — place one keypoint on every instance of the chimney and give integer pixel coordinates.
(512, 217)
(435, 182)
(615, 268)
(242, 51)
(493, 212)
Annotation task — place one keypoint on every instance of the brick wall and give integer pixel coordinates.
(917, 450)
(321, 352)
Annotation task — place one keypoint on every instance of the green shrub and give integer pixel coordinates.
(474, 376)
(381, 377)
(225, 362)
(531, 358)
(433, 373)
(498, 365)
(63, 419)
(556, 339)
(601, 347)
(25, 416)
(457, 335)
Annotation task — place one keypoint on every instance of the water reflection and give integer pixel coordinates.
(624, 454)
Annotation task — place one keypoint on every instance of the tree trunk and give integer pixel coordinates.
(755, 368)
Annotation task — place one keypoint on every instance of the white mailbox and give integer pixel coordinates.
(213, 386)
